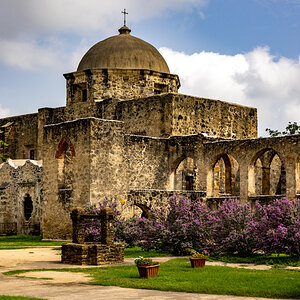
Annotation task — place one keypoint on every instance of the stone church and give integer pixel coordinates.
(127, 134)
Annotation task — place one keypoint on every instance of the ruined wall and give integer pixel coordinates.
(176, 114)
(21, 196)
(20, 133)
(213, 117)
(48, 116)
(282, 175)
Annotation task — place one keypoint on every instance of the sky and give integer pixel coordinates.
(240, 51)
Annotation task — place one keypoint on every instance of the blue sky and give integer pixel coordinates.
(242, 51)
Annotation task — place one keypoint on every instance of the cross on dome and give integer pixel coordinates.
(125, 13)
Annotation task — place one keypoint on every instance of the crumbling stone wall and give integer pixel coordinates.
(20, 133)
(21, 180)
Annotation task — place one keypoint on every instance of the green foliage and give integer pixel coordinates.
(143, 262)
(3, 144)
(291, 128)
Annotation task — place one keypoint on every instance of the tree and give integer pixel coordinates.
(3, 144)
(291, 128)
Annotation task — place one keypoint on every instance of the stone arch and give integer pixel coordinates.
(65, 154)
(223, 176)
(183, 173)
(64, 145)
(266, 174)
(145, 211)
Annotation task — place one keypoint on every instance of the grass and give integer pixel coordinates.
(135, 252)
(177, 275)
(260, 259)
(25, 241)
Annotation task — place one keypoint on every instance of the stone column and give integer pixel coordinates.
(107, 226)
(243, 182)
(78, 225)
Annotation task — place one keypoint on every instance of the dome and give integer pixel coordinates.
(123, 51)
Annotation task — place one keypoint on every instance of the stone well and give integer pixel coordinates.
(80, 252)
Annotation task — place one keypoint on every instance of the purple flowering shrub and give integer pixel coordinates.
(182, 227)
(278, 227)
(234, 228)
(231, 229)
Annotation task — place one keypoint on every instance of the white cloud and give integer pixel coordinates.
(29, 56)
(4, 112)
(255, 79)
(78, 16)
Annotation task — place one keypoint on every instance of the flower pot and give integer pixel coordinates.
(197, 262)
(148, 271)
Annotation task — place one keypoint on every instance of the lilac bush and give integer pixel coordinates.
(234, 228)
(231, 229)
(278, 227)
(177, 230)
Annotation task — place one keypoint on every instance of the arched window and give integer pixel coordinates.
(28, 207)
(225, 176)
(185, 175)
(267, 174)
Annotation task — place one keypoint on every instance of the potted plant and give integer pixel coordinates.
(198, 259)
(147, 267)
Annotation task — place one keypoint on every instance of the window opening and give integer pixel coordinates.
(28, 207)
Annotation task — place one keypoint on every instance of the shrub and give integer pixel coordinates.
(278, 227)
(231, 229)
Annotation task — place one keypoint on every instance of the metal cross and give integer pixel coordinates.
(125, 13)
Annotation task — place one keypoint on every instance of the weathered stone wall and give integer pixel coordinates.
(48, 116)
(145, 199)
(176, 114)
(21, 179)
(66, 185)
(92, 254)
(97, 85)
(20, 133)
(214, 117)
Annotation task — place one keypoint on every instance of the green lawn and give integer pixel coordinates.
(177, 275)
(260, 259)
(25, 241)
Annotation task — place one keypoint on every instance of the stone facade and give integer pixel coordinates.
(21, 197)
(126, 134)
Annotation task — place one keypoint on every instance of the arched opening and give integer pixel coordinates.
(65, 154)
(185, 175)
(28, 207)
(225, 176)
(144, 211)
(267, 174)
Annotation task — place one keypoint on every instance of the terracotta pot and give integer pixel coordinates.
(148, 271)
(197, 262)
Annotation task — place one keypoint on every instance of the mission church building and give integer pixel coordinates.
(127, 134)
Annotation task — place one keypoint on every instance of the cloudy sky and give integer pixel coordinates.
(247, 52)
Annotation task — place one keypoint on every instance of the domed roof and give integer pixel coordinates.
(123, 51)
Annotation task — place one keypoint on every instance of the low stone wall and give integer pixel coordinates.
(92, 254)
(153, 198)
